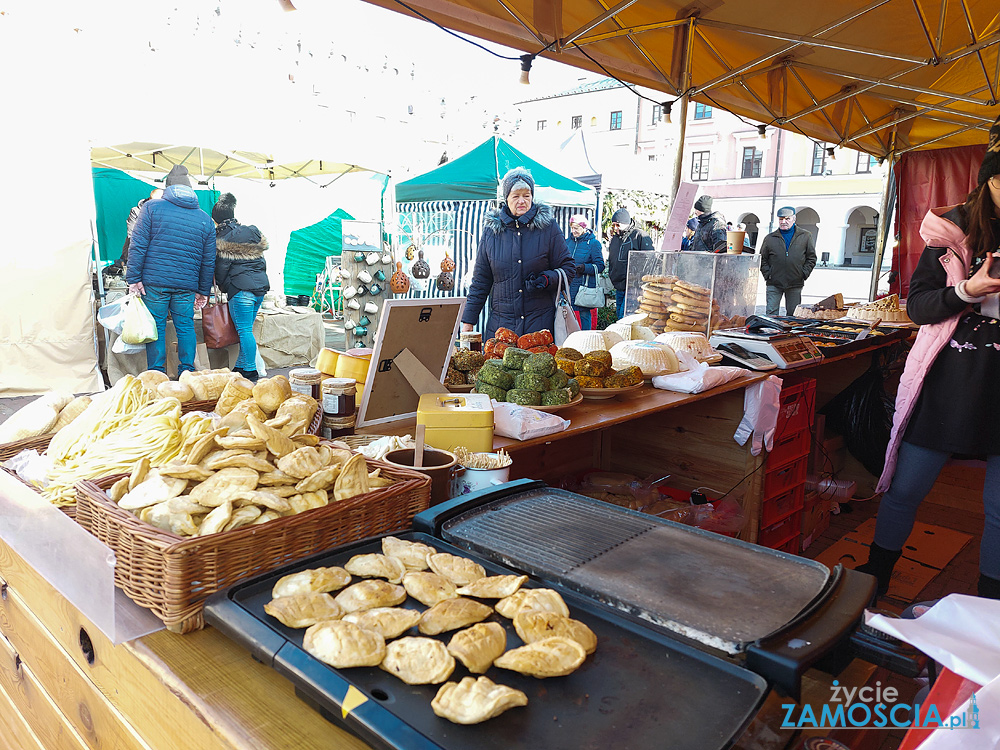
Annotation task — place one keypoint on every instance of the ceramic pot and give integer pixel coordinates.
(467, 480)
(438, 465)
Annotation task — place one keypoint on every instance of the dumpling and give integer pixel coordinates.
(478, 646)
(428, 588)
(474, 700)
(390, 622)
(343, 644)
(412, 554)
(536, 625)
(376, 566)
(551, 657)
(318, 580)
(493, 587)
(452, 614)
(459, 570)
(369, 595)
(418, 661)
(522, 600)
(303, 610)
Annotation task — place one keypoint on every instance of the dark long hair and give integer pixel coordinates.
(980, 221)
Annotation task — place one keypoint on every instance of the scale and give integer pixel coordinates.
(785, 350)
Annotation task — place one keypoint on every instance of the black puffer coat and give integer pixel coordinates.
(511, 250)
(239, 259)
(618, 250)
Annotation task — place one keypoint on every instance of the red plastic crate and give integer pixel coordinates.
(788, 447)
(797, 407)
(779, 534)
(775, 509)
(791, 546)
(781, 478)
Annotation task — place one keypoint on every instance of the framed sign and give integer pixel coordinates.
(427, 328)
(868, 240)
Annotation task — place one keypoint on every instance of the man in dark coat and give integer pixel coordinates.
(787, 257)
(710, 236)
(171, 262)
(625, 237)
(520, 251)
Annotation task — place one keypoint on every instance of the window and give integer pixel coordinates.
(752, 159)
(657, 114)
(699, 166)
(865, 163)
(540, 125)
(652, 157)
(702, 111)
(616, 120)
(577, 122)
(819, 159)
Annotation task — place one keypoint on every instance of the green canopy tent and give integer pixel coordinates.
(308, 249)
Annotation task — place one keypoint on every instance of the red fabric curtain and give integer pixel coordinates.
(928, 179)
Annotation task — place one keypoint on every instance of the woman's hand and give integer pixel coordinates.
(137, 288)
(981, 282)
(467, 327)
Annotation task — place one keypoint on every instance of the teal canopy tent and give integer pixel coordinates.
(115, 194)
(308, 249)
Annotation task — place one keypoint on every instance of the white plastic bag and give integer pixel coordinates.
(761, 403)
(696, 376)
(139, 326)
(523, 422)
(120, 347)
(112, 315)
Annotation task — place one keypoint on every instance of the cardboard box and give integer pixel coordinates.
(815, 518)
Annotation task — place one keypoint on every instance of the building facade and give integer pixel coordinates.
(836, 192)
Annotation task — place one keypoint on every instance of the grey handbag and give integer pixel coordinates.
(589, 296)
(565, 322)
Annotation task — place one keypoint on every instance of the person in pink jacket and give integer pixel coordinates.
(948, 401)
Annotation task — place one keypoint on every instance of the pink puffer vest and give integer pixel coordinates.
(931, 339)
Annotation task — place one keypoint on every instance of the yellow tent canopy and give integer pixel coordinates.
(875, 75)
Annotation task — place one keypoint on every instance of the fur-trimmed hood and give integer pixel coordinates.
(239, 242)
(539, 216)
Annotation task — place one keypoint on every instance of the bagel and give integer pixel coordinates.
(678, 292)
(655, 296)
(691, 302)
(649, 310)
(689, 309)
(660, 278)
(657, 291)
(688, 312)
(673, 325)
(692, 288)
(678, 318)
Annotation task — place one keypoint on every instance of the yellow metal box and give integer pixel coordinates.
(453, 419)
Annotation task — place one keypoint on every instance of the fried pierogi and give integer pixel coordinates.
(522, 600)
(428, 588)
(389, 622)
(474, 700)
(536, 625)
(493, 587)
(318, 580)
(550, 657)
(418, 661)
(478, 646)
(370, 594)
(343, 644)
(459, 570)
(222, 485)
(376, 566)
(452, 614)
(412, 554)
(303, 610)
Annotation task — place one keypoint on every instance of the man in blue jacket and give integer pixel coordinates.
(171, 264)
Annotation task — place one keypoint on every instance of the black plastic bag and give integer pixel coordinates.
(862, 413)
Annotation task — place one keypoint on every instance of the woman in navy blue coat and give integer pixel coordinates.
(520, 250)
(588, 255)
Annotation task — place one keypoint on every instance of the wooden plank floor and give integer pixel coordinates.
(954, 503)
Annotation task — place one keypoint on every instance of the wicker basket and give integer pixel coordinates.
(173, 575)
(359, 441)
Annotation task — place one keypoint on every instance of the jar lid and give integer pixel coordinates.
(339, 422)
(339, 384)
(305, 375)
(470, 335)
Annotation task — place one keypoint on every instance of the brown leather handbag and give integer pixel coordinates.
(218, 326)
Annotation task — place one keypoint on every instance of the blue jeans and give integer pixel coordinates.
(243, 307)
(585, 315)
(917, 469)
(620, 298)
(180, 304)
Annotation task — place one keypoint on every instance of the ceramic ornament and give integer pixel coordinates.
(380, 275)
(410, 252)
(364, 321)
(446, 281)
(364, 276)
(371, 308)
(421, 269)
(354, 304)
(360, 331)
(400, 282)
(387, 257)
(375, 290)
(372, 258)
(362, 290)
(359, 257)
(447, 265)
(349, 324)
(350, 292)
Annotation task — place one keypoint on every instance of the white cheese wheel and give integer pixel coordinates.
(652, 357)
(591, 341)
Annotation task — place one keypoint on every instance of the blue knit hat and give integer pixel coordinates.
(516, 178)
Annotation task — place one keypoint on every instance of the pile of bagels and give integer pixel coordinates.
(672, 304)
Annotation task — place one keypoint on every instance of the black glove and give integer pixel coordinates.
(536, 281)
(581, 269)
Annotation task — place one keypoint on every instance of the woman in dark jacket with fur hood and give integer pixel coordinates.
(519, 253)
(240, 272)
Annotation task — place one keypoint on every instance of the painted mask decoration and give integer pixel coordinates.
(421, 269)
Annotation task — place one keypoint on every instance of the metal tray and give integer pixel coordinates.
(640, 684)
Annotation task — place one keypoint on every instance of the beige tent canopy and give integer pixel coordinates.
(206, 163)
(879, 76)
